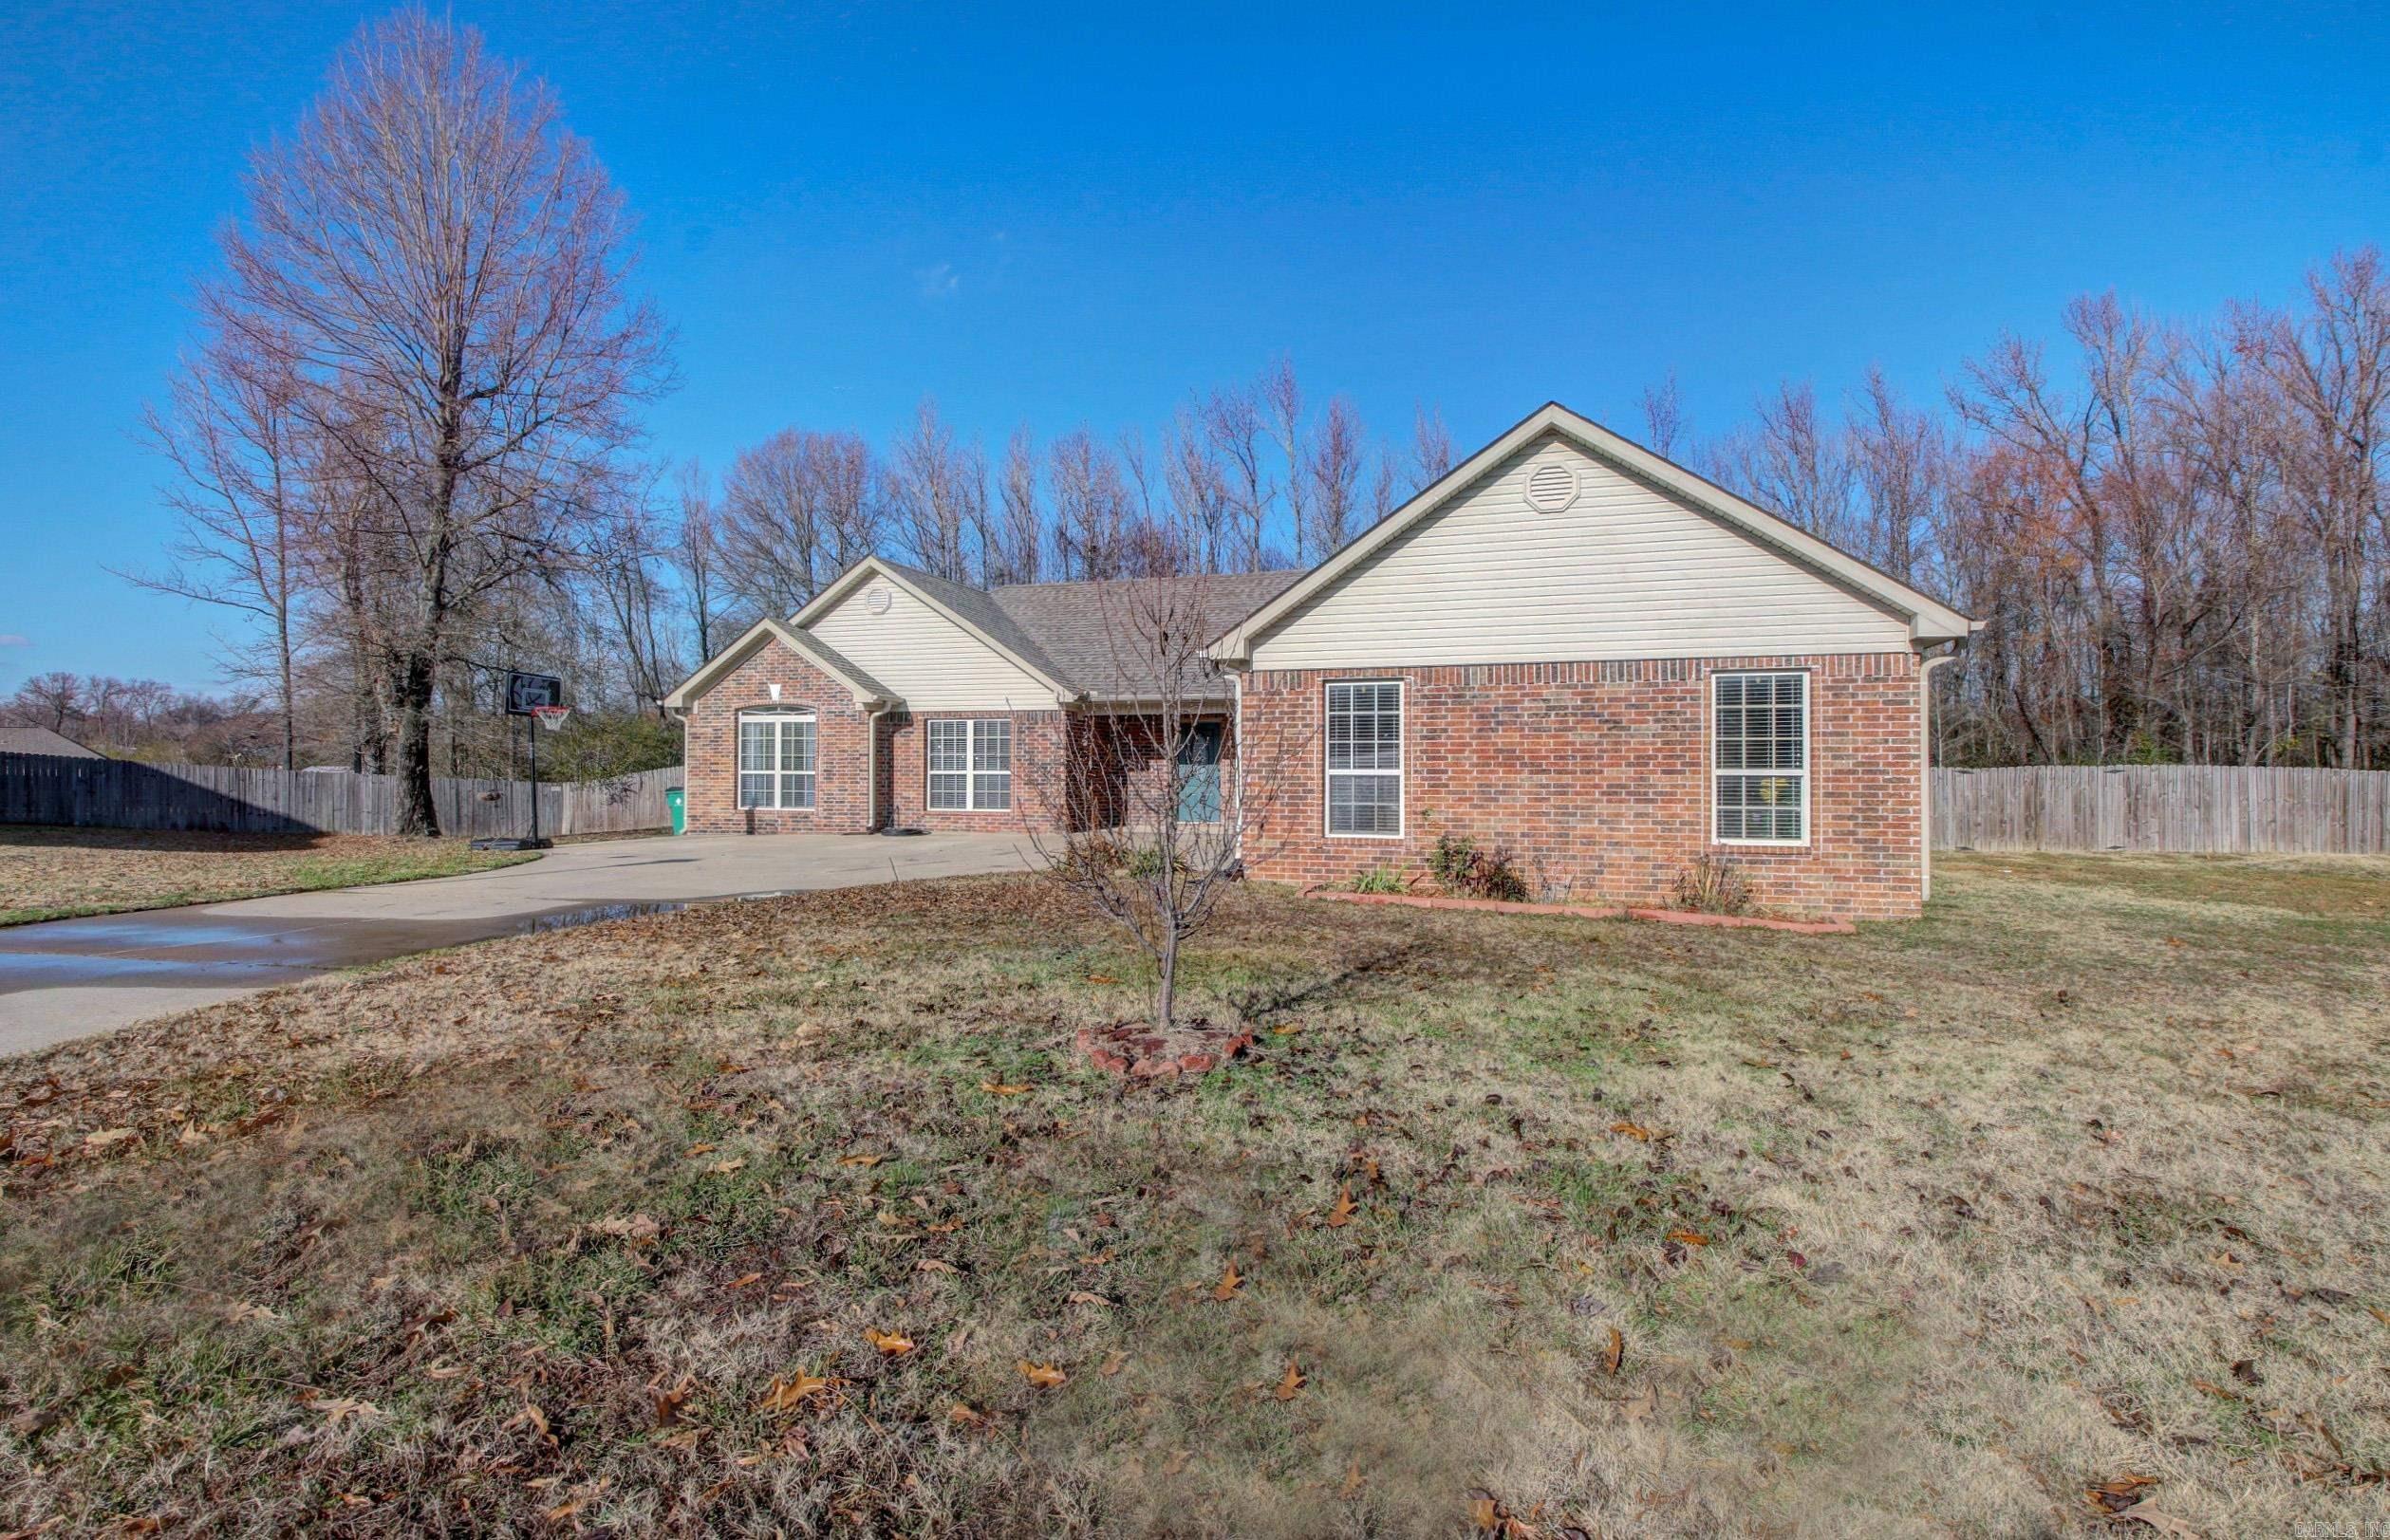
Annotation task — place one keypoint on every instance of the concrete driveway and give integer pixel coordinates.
(69, 978)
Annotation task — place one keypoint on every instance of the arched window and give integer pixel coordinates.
(775, 759)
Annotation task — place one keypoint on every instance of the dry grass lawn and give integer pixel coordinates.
(56, 873)
(2061, 1212)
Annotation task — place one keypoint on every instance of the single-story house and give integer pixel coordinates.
(1567, 647)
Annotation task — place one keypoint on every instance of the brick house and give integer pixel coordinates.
(1567, 647)
(896, 699)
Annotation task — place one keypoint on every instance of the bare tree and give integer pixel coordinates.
(1901, 458)
(1020, 532)
(1231, 420)
(937, 499)
(1431, 449)
(1333, 471)
(442, 266)
(693, 553)
(50, 701)
(238, 442)
(1198, 478)
(798, 510)
(1663, 418)
(1156, 824)
(1090, 508)
(1283, 399)
(2334, 368)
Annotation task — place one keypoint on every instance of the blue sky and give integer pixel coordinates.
(1064, 217)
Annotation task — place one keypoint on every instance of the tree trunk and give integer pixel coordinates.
(1166, 987)
(418, 815)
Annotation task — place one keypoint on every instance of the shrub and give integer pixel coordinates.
(1145, 863)
(1713, 885)
(1377, 879)
(1464, 870)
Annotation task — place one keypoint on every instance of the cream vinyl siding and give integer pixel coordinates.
(1621, 572)
(932, 663)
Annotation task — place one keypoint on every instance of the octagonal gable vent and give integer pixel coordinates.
(878, 599)
(1552, 486)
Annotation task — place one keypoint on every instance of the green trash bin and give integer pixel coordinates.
(674, 798)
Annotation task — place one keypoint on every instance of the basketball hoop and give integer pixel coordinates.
(550, 717)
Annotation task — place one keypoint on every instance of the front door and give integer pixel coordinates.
(1199, 774)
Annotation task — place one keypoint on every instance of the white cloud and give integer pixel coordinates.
(11, 639)
(938, 282)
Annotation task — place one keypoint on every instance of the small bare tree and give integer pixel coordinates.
(1159, 812)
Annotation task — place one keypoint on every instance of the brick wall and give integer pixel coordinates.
(840, 728)
(1595, 777)
(1041, 745)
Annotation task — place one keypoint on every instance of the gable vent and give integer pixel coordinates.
(878, 599)
(1551, 487)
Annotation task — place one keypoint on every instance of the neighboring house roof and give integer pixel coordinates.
(41, 740)
(1074, 623)
(867, 691)
(1929, 620)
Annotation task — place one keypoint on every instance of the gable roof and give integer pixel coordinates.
(970, 608)
(1072, 622)
(41, 740)
(867, 691)
(1929, 620)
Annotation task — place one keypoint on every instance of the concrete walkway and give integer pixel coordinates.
(70, 978)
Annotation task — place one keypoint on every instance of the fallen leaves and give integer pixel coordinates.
(1292, 1385)
(997, 1088)
(108, 1136)
(787, 1392)
(2121, 1501)
(1636, 1131)
(1231, 1282)
(1043, 1376)
(890, 1343)
(1614, 1352)
(340, 1409)
(1342, 1214)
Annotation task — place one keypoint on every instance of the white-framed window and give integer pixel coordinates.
(1365, 758)
(970, 764)
(1758, 734)
(775, 759)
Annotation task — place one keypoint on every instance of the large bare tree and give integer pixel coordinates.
(442, 267)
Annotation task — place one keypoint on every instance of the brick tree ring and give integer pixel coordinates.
(1138, 1052)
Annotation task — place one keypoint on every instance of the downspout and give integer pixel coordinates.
(871, 768)
(1925, 763)
(1236, 682)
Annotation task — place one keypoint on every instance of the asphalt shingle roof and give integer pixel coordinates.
(1065, 630)
(41, 740)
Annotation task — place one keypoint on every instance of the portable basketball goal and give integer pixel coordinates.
(541, 698)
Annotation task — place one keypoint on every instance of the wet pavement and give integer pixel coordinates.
(66, 978)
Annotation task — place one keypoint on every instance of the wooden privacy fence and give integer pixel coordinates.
(2183, 808)
(123, 794)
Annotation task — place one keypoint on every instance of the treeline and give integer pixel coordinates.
(2175, 532)
(147, 720)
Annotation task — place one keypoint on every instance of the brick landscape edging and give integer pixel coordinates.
(1588, 911)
